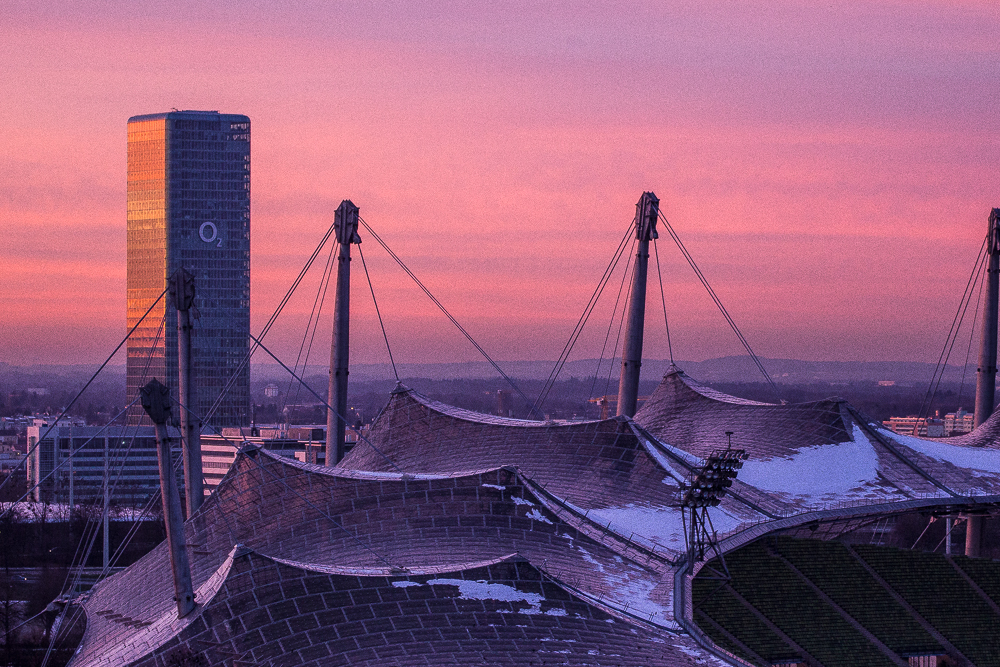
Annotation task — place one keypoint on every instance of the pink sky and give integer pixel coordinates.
(831, 169)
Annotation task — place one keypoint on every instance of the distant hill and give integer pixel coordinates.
(724, 369)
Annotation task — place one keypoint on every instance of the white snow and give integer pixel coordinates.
(587, 557)
(976, 458)
(632, 586)
(522, 501)
(405, 584)
(495, 486)
(481, 590)
(674, 477)
(701, 656)
(537, 516)
(662, 525)
(351, 473)
(723, 521)
(834, 470)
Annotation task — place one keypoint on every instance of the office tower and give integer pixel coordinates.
(189, 206)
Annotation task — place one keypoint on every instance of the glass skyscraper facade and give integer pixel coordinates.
(189, 206)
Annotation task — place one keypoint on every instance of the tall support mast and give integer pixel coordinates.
(182, 294)
(346, 227)
(986, 375)
(156, 402)
(646, 212)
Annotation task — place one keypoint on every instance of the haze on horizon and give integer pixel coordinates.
(830, 168)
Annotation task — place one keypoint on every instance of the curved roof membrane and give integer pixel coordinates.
(624, 475)
(455, 537)
(821, 454)
(272, 549)
(614, 478)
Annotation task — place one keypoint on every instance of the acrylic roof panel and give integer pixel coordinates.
(602, 469)
(414, 434)
(690, 415)
(818, 455)
(439, 492)
(327, 521)
(503, 613)
(805, 457)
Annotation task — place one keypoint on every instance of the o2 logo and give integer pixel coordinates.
(209, 233)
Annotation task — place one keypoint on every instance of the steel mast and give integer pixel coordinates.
(182, 294)
(646, 212)
(345, 224)
(986, 374)
(156, 401)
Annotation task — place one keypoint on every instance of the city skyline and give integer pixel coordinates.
(831, 169)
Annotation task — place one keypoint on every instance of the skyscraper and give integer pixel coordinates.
(189, 206)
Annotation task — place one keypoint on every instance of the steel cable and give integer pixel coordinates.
(956, 324)
(378, 313)
(267, 327)
(93, 377)
(663, 300)
(584, 317)
(317, 309)
(447, 314)
(607, 334)
(718, 302)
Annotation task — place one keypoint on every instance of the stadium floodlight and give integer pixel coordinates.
(711, 483)
(705, 489)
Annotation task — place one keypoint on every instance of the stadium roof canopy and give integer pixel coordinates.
(467, 537)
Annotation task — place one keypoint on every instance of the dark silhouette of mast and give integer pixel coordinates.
(182, 294)
(646, 212)
(156, 401)
(346, 228)
(986, 375)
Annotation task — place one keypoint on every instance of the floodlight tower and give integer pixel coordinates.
(345, 224)
(706, 489)
(646, 212)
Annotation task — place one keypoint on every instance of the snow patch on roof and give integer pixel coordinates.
(662, 525)
(538, 516)
(674, 476)
(975, 458)
(828, 470)
(481, 590)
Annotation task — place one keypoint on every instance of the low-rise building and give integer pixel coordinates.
(302, 443)
(954, 423)
(73, 463)
(927, 427)
(958, 422)
(124, 457)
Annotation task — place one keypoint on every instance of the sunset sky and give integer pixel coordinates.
(831, 166)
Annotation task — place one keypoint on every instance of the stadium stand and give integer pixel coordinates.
(770, 584)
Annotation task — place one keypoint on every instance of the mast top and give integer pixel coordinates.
(345, 223)
(647, 209)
